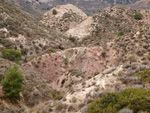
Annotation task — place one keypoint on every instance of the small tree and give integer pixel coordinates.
(12, 84)
(54, 12)
(12, 55)
(138, 16)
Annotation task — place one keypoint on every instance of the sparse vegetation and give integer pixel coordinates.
(145, 76)
(12, 55)
(135, 99)
(138, 16)
(120, 73)
(12, 84)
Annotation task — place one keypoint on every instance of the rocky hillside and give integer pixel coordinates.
(66, 17)
(142, 4)
(110, 21)
(26, 7)
(102, 67)
(29, 35)
(87, 6)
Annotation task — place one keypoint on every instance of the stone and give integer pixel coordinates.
(84, 109)
(110, 70)
(125, 110)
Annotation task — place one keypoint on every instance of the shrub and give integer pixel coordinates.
(72, 39)
(121, 33)
(135, 99)
(12, 84)
(138, 16)
(12, 55)
(58, 97)
(60, 106)
(145, 76)
(66, 61)
(54, 12)
(96, 73)
(74, 99)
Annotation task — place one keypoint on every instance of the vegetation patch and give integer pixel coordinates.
(135, 99)
(145, 76)
(66, 61)
(121, 33)
(12, 84)
(12, 55)
(54, 12)
(138, 16)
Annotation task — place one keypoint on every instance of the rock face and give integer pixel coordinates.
(67, 17)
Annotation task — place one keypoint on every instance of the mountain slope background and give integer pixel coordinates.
(36, 7)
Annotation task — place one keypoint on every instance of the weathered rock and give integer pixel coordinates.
(126, 110)
(84, 109)
(110, 70)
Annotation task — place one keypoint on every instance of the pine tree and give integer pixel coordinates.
(12, 84)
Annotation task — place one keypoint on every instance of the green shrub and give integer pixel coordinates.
(58, 97)
(135, 99)
(66, 61)
(121, 33)
(54, 12)
(145, 76)
(12, 55)
(60, 106)
(72, 39)
(12, 84)
(138, 16)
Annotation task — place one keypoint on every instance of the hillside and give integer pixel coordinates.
(67, 17)
(26, 7)
(110, 22)
(29, 35)
(88, 6)
(74, 63)
(142, 4)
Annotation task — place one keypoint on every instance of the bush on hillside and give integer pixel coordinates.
(144, 75)
(138, 16)
(54, 12)
(12, 84)
(10, 54)
(135, 99)
(121, 33)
